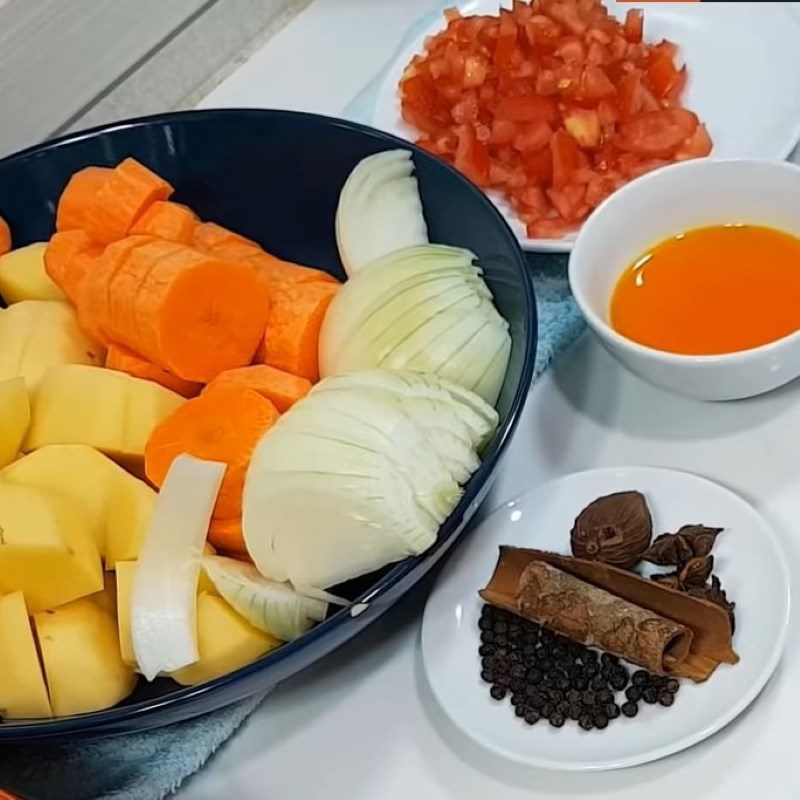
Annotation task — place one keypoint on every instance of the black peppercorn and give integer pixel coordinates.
(581, 684)
(640, 678)
(557, 719)
(532, 716)
(498, 692)
(630, 709)
(611, 710)
(666, 698)
(519, 710)
(547, 709)
(588, 698)
(500, 627)
(598, 683)
(488, 676)
(618, 680)
(573, 696)
(609, 660)
(575, 711)
(672, 686)
(604, 697)
(485, 623)
(586, 722)
(487, 637)
(600, 720)
(650, 695)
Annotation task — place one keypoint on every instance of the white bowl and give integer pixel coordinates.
(659, 205)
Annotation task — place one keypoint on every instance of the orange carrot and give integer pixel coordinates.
(223, 424)
(92, 299)
(291, 341)
(221, 242)
(213, 238)
(275, 271)
(122, 198)
(281, 388)
(226, 534)
(190, 313)
(167, 220)
(122, 360)
(78, 196)
(5, 237)
(65, 259)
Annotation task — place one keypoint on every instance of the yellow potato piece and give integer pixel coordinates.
(44, 550)
(226, 642)
(15, 416)
(116, 506)
(23, 276)
(107, 599)
(102, 408)
(38, 334)
(23, 694)
(81, 656)
(125, 573)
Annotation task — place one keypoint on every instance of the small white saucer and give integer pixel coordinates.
(749, 561)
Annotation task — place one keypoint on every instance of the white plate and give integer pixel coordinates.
(744, 68)
(749, 561)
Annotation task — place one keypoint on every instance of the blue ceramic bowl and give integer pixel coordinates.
(275, 177)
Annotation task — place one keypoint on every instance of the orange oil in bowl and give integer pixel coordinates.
(711, 290)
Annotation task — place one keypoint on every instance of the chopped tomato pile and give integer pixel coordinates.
(554, 102)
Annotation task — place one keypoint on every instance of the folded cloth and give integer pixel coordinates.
(151, 765)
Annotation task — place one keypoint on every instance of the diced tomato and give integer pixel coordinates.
(657, 133)
(699, 144)
(633, 29)
(553, 102)
(471, 157)
(503, 131)
(539, 166)
(583, 125)
(526, 109)
(532, 136)
(662, 74)
(566, 158)
(571, 48)
(595, 85)
(505, 48)
(567, 14)
(475, 69)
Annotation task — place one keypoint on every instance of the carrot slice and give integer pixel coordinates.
(190, 313)
(122, 198)
(78, 196)
(275, 271)
(213, 238)
(70, 256)
(167, 220)
(5, 237)
(123, 360)
(221, 242)
(291, 341)
(226, 534)
(223, 424)
(92, 298)
(281, 388)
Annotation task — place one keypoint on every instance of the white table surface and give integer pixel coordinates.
(363, 725)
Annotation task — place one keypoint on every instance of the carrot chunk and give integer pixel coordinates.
(226, 534)
(223, 424)
(68, 256)
(123, 360)
(291, 341)
(121, 200)
(78, 196)
(279, 387)
(5, 237)
(167, 220)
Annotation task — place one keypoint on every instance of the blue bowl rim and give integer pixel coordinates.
(452, 526)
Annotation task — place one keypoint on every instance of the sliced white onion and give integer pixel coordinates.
(424, 309)
(379, 210)
(359, 474)
(163, 602)
(267, 605)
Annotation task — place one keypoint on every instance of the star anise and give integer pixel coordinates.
(677, 549)
(696, 571)
(669, 579)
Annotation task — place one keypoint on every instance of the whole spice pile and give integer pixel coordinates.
(548, 677)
